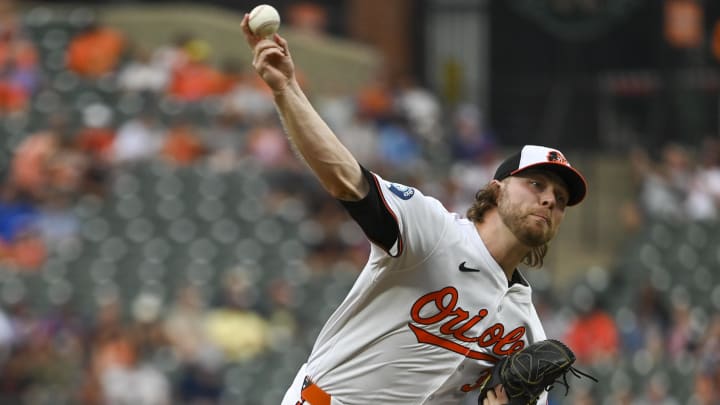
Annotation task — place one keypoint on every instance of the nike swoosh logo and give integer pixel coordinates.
(466, 269)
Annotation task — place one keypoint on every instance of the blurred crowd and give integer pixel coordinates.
(650, 327)
(178, 108)
(389, 124)
(681, 183)
(648, 350)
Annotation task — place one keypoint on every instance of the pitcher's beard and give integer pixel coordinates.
(517, 221)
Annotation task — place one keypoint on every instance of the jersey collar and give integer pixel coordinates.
(518, 278)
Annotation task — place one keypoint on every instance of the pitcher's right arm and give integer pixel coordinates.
(332, 163)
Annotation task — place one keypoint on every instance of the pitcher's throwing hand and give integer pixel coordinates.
(271, 58)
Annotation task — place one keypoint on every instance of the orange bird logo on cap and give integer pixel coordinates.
(555, 156)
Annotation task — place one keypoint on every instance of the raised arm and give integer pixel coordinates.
(331, 162)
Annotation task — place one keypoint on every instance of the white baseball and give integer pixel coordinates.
(264, 20)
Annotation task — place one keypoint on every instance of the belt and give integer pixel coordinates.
(314, 394)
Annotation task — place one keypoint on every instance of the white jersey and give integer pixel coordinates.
(425, 318)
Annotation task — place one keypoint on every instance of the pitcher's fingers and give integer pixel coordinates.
(263, 56)
(266, 43)
(283, 43)
(262, 46)
(251, 38)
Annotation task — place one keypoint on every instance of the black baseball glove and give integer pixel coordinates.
(527, 373)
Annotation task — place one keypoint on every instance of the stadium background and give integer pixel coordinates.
(160, 243)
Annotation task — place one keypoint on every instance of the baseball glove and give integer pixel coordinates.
(532, 370)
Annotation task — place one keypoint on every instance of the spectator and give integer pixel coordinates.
(95, 51)
(680, 336)
(56, 222)
(703, 200)
(360, 136)
(337, 107)
(421, 108)
(182, 144)
(13, 98)
(234, 324)
(249, 98)
(664, 187)
(109, 347)
(16, 214)
(138, 139)
(24, 73)
(474, 151)
(67, 169)
(47, 162)
(267, 144)
(200, 360)
(150, 385)
(30, 166)
(196, 79)
(184, 325)
(27, 253)
(18, 61)
(470, 140)
(18, 76)
(141, 383)
(142, 74)
(233, 72)
(95, 141)
(375, 98)
(171, 56)
(593, 336)
(398, 148)
(21, 243)
(96, 137)
(308, 17)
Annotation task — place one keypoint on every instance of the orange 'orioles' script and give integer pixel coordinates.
(455, 321)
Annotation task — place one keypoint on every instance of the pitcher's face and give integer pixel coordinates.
(532, 205)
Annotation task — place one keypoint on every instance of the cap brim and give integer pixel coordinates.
(577, 186)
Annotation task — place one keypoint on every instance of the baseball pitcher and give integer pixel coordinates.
(440, 301)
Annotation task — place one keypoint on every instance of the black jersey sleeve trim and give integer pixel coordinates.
(375, 217)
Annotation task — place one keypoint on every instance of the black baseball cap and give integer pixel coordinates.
(543, 158)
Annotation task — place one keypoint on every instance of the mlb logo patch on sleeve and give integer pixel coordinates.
(401, 191)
